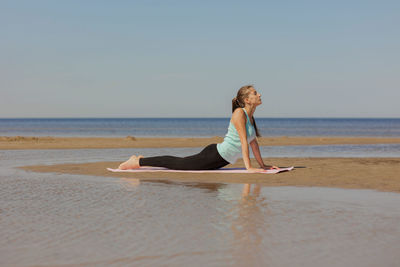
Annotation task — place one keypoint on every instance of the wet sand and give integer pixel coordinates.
(26, 142)
(381, 174)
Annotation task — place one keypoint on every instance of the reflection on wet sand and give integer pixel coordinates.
(249, 227)
(130, 183)
(246, 191)
(246, 217)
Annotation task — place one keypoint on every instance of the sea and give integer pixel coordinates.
(197, 127)
(51, 219)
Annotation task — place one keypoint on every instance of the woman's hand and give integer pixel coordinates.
(254, 170)
(270, 167)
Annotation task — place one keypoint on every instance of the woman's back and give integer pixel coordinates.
(230, 148)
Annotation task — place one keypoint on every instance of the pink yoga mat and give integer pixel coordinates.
(223, 170)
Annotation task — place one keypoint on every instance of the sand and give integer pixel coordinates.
(364, 173)
(23, 142)
(381, 174)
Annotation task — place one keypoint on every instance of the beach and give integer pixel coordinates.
(34, 142)
(61, 207)
(362, 173)
(86, 85)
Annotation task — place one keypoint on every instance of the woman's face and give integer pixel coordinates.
(254, 98)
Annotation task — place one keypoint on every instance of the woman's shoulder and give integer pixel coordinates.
(238, 115)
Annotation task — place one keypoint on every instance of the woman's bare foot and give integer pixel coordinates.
(131, 163)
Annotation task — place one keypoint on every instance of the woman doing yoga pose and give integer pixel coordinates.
(242, 131)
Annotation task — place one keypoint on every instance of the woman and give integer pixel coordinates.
(242, 131)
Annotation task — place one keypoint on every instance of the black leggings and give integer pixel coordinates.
(207, 159)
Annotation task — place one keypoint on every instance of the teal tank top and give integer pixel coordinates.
(231, 148)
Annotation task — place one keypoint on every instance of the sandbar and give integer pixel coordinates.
(28, 142)
(382, 174)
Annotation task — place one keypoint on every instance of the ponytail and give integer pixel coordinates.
(236, 104)
(255, 127)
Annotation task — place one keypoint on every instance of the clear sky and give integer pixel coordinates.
(188, 58)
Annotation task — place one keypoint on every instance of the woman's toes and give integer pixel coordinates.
(129, 164)
(122, 166)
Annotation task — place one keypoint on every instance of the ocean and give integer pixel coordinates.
(196, 127)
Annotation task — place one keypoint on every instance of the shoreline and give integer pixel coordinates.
(380, 174)
(28, 142)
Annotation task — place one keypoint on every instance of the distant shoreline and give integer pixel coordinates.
(184, 118)
(29, 142)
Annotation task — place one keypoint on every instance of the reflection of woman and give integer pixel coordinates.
(241, 132)
(249, 227)
(246, 190)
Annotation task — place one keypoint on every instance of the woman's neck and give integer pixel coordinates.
(250, 110)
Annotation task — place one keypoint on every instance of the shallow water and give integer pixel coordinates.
(60, 219)
(54, 156)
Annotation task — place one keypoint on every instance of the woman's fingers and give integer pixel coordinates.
(271, 167)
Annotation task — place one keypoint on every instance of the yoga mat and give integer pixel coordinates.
(223, 170)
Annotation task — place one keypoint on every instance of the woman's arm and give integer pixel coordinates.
(256, 151)
(239, 121)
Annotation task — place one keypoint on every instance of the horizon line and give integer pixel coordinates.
(5, 118)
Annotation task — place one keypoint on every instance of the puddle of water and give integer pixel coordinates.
(60, 219)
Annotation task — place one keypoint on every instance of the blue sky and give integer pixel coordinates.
(188, 58)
